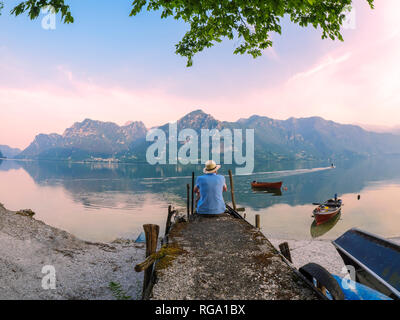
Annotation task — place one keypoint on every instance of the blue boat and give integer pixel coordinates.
(356, 291)
(376, 265)
(376, 260)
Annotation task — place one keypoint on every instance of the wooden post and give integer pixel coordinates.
(151, 231)
(170, 214)
(285, 250)
(258, 221)
(232, 190)
(192, 211)
(188, 201)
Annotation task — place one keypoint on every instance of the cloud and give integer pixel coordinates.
(355, 81)
(46, 108)
(326, 63)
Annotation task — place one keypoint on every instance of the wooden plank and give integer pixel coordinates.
(149, 261)
(146, 263)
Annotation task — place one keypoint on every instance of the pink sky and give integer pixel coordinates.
(357, 81)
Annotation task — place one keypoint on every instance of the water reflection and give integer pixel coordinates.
(99, 201)
(272, 192)
(317, 231)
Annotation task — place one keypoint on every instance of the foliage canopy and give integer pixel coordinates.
(252, 21)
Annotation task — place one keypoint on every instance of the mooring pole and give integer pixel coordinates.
(151, 231)
(192, 211)
(168, 226)
(258, 221)
(232, 190)
(188, 201)
(285, 250)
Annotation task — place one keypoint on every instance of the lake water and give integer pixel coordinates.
(102, 202)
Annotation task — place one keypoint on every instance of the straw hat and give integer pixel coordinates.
(211, 167)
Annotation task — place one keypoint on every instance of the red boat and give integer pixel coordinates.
(267, 185)
(324, 213)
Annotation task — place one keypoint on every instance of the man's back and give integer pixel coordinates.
(211, 188)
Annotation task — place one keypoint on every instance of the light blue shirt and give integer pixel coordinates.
(211, 194)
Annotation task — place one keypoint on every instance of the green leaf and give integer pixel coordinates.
(247, 22)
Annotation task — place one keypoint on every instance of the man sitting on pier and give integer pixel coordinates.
(210, 188)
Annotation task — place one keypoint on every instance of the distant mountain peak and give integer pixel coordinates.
(197, 120)
(196, 112)
(9, 152)
(137, 124)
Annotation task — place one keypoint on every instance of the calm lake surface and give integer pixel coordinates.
(102, 202)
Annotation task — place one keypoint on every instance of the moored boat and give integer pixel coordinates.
(326, 211)
(267, 185)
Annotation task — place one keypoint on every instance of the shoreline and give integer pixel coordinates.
(83, 270)
(321, 252)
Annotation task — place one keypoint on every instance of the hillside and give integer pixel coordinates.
(9, 152)
(305, 138)
(86, 140)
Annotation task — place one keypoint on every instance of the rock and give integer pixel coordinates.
(26, 213)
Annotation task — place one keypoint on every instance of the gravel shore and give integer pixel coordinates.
(317, 251)
(84, 270)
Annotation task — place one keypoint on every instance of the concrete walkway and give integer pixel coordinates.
(225, 258)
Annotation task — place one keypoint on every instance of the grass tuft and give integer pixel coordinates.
(118, 292)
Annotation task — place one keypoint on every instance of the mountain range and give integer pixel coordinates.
(380, 129)
(296, 138)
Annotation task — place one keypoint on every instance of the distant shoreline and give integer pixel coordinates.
(145, 162)
(116, 161)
